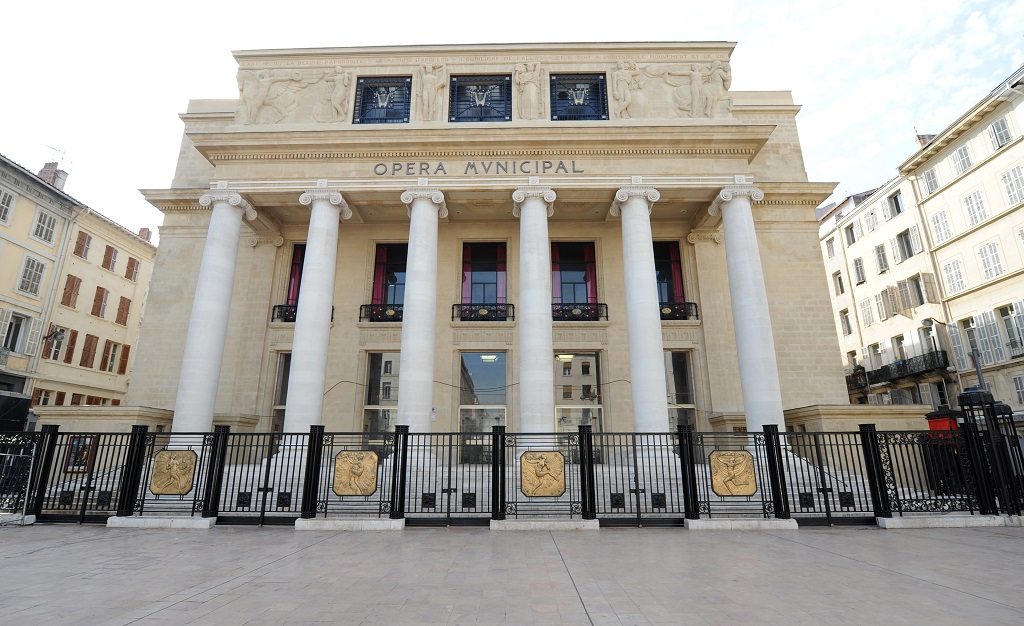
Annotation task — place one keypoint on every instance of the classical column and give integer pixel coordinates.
(208, 324)
(643, 317)
(313, 317)
(755, 344)
(416, 377)
(533, 206)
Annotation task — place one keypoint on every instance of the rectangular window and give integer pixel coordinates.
(867, 316)
(581, 398)
(17, 325)
(123, 309)
(1014, 183)
(109, 258)
(931, 182)
(483, 273)
(991, 265)
(6, 203)
(388, 282)
(53, 345)
(480, 99)
(895, 204)
(31, 276)
(844, 322)
(853, 232)
(99, 302)
(881, 262)
(999, 133)
(585, 368)
(858, 270)
(385, 391)
(906, 244)
(837, 282)
(295, 275)
(44, 226)
(940, 226)
(962, 160)
(975, 208)
(82, 244)
(574, 280)
(89, 351)
(111, 350)
(377, 376)
(1018, 387)
(830, 247)
(71, 287)
(131, 270)
(483, 391)
(76, 399)
(669, 272)
(567, 368)
(384, 100)
(954, 276)
(870, 220)
(578, 97)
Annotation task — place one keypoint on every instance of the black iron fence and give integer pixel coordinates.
(472, 478)
(936, 360)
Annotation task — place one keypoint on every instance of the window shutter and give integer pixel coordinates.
(896, 256)
(906, 302)
(925, 389)
(69, 352)
(873, 398)
(880, 305)
(69, 291)
(35, 333)
(36, 395)
(858, 270)
(123, 308)
(915, 239)
(5, 322)
(106, 354)
(47, 348)
(1018, 320)
(129, 269)
(885, 211)
(122, 367)
(80, 244)
(857, 231)
(959, 354)
(984, 345)
(993, 336)
(107, 257)
(97, 302)
(931, 288)
(60, 398)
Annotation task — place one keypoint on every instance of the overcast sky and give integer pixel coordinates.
(99, 85)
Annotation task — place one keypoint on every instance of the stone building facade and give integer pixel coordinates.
(539, 236)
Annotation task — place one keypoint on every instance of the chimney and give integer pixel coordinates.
(54, 176)
(924, 140)
(145, 233)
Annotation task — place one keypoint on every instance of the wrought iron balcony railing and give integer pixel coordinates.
(579, 311)
(286, 313)
(380, 313)
(483, 312)
(678, 310)
(909, 367)
(4, 353)
(1016, 349)
(857, 381)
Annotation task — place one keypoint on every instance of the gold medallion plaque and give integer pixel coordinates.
(732, 473)
(542, 474)
(355, 473)
(173, 472)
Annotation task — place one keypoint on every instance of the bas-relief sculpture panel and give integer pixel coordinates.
(652, 91)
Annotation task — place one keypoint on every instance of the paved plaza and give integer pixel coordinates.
(66, 574)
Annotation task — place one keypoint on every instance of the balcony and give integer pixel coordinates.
(286, 313)
(483, 312)
(1016, 349)
(857, 381)
(579, 312)
(380, 313)
(678, 310)
(913, 366)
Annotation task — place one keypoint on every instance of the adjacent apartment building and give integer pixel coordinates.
(927, 272)
(73, 286)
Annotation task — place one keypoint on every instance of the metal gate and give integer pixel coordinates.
(826, 478)
(448, 479)
(262, 478)
(85, 477)
(638, 479)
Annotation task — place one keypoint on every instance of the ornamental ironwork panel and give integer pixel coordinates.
(382, 100)
(483, 312)
(380, 313)
(580, 311)
(480, 99)
(579, 97)
(678, 310)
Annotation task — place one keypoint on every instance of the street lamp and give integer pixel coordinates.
(55, 333)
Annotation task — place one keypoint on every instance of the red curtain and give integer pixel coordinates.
(588, 256)
(295, 278)
(556, 275)
(677, 274)
(467, 273)
(380, 283)
(501, 273)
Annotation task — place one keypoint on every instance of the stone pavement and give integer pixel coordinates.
(66, 574)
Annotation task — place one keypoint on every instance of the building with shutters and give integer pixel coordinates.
(74, 287)
(929, 268)
(454, 237)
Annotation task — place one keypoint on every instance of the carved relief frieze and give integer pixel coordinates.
(334, 94)
(528, 91)
(575, 335)
(680, 335)
(375, 336)
(433, 81)
(355, 473)
(542, 474)
(475, 335)
(173, 472)
(270, 96)
(732, 473)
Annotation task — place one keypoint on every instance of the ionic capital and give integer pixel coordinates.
(215, 196)
(522, 194)
(649, 194)
(734, 191)
(276, 240)
(436, 196)
(705, 235)
(326, 195)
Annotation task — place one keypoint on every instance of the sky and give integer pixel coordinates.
(99, 86)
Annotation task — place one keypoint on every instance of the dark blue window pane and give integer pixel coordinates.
(480, 99)
(579, 97)
(382, 100)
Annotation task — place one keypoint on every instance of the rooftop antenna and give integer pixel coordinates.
(58, 151)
